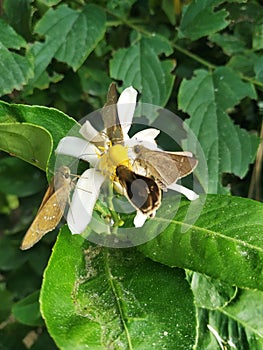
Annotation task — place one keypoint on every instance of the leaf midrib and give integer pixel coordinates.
(210, 232)
(118, 296)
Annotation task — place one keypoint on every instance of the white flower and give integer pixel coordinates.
(104, 163)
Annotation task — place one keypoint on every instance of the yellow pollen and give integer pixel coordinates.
(116, 155)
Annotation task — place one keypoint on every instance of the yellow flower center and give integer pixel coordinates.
(116, 155)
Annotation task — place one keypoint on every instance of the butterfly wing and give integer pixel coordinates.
(166, 167)
(110, 116)
(47, 218)
(51, 209)
(142, 192)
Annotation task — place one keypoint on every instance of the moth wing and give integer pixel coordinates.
(142, 192)
(47, 218)
(110, 116)
(169, 166)
(49, 192)
(184, 164)
(183, 153)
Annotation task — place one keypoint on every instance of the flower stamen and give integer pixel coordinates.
(115, 156)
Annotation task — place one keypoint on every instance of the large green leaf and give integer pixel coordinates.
(15, 69)
(26, 141)
(103, 298)
(225, 242)
(227, 147)
(199, 19)
(140, 66)
(71, 35)
(30, 132)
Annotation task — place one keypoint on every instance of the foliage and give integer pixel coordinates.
(198, 286)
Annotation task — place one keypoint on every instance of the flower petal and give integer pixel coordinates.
(139, 219)
(145, 137)
(79, 148)
(90, 133)
(191, 195)
(83, 200)
(126, 105)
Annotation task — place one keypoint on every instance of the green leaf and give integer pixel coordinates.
(230, 44)
(258, 37)
(247, 309)
(199, 19)
(226, 146)
(26, 141)
(120, 8)
(34, 147)
(114, 298)
(209, 293)
(9, 38)
(218, 331)
(235, 315)
(27, 183)
(239, 323)
(71, 35)
(171, 10)
(244, 63)
(15, 69)
(95, 81)
(140, 66)
(224, 243)
(22, 22)
(27, 311)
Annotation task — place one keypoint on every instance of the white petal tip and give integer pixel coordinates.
(189, 194)
(194, 196)
(76, 233)
(139, 219)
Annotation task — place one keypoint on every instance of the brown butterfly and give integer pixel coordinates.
(110, 116)
(143, 192)
(165, 167)
(51, 209)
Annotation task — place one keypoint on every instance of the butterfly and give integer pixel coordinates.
(51, 209)
(141, 191)
(165, 167)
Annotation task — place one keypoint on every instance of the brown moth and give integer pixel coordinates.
(51, 209)
(142, 192)
(165, 167)
(110, 116)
